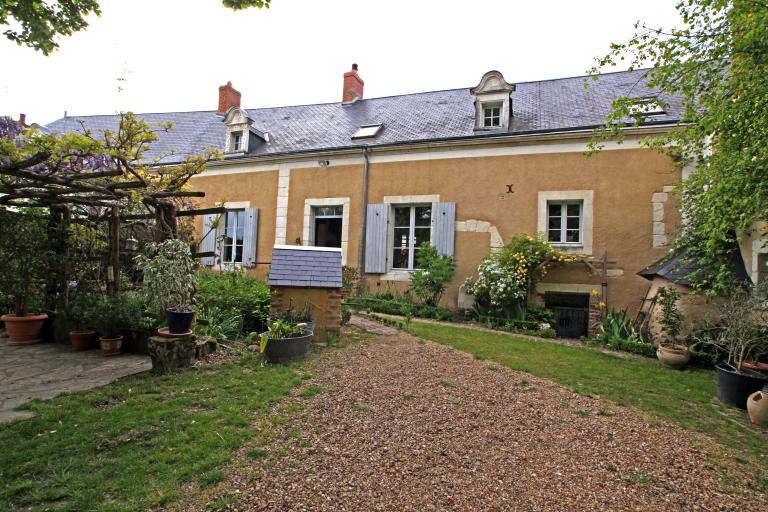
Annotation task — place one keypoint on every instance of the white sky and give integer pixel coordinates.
(173, 54)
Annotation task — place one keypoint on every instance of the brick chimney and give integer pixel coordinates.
(353, 86)
(228, 97)
(23, 120)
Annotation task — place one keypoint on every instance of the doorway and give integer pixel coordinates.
(571, 312)
(327, 225)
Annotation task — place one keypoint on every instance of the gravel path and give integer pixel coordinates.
(402, 424)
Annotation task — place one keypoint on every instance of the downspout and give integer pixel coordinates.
(363, 222)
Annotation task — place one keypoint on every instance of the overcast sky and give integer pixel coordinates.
(171, 55)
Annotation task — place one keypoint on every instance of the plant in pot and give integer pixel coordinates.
(285, 340)
(673, 350)
(112, 314)
(169, 282)
(741, 335)
(81, 314)
(25, 256)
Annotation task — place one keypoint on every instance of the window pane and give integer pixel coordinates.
(329, 211)
(554, 209)
(572, 236)
(423, 215)
(554, 235)
(230, 224)
(403, 216)
(422, 235)
(573, 210)
(554, 223)
(401, 238)
(572, 223)
(400, 258)
(227, 253)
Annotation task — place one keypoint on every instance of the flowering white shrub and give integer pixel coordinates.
(500, 286)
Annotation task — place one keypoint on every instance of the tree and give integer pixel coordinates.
(38, 24)
(718, 64)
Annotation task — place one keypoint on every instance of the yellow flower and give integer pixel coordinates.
(595, 293)
(601, 305)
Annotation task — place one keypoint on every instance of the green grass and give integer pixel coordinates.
(132, 444)
(683, 397)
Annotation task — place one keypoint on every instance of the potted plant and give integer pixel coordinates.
(673, 351)
(742, 335)
(169, 282)
(25, 256)
(112, 314)
(81, 337)
(284, 341)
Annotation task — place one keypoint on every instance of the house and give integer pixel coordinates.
(465, 169)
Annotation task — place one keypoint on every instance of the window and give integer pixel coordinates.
(367, 131)
(647, 107)
(412, 227)
(564, 222)
(492, 115)
(237, 141)
(328, 224)
(234, 229)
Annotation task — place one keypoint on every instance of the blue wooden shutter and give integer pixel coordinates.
(444, 227)
(250, 236)
(376, 239)
(208, 243)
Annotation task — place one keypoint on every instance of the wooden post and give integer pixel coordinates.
(113, 266)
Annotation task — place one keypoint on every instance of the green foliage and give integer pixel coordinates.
(741, 332)
(718, 64)
(218, 324)
(434, 272)
(346, 314)
(235, 293)
(111, 314)
(25, 257)
(506, 278)
(403, 305)
(671, 318)
(169, 272)
(350, 277)
(134, 444)
(532, 327)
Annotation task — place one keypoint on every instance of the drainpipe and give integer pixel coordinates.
(363, 222)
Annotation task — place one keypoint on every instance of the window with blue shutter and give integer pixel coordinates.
(376, 239)
(208, 242)
(250, 236)
(444, 227)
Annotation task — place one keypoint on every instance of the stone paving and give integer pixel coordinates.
(46, 370)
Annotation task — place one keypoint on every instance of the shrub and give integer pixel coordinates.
(168, 270)
(506, 278)
(25, 257)
(671, 318)
(218, 324)
(434, 272)
(386, 303)
(237, 293)
(350, 278)
(346, 314)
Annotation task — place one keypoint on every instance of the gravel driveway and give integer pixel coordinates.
(402, 424)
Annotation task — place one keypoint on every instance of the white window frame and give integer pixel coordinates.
(394, 274)
(411, 235)
(490, 106)
(234, 245)
(564, 222)
(586, 197)
(308, 233)
(236, 141)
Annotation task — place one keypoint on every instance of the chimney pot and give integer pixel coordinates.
(353, 86)
(23, 120)
(228, 97)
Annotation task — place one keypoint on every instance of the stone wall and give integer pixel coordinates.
(324, 303)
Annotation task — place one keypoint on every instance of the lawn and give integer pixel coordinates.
(683, 397)
(131, 445)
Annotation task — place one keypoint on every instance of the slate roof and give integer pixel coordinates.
(313, 267)
(544, 106)
(676, 266)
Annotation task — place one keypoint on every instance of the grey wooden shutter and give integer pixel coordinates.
(376, 239)
(250, 236)
(208, 243)
(444, 227)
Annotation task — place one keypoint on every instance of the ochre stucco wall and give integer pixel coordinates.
(622, 181)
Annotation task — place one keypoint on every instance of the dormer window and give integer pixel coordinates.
(242, 136)
(492, 115)
(493, 103)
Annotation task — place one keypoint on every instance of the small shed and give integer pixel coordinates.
(302, 277)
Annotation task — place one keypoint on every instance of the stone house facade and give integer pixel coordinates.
(463, 169)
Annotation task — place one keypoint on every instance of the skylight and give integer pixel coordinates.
(367, 131)
(647, 107)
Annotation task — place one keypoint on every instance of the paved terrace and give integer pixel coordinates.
(47, 370)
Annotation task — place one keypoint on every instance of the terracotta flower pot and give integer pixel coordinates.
(673, 357)
(758, 367)
(111, 346)
(82, 340)
(757, 407)
(23, 330)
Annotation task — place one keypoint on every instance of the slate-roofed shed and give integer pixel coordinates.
(307, 267)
